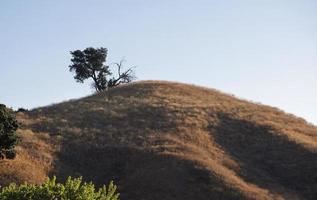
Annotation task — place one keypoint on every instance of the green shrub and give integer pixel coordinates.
(8, 136)
(22, 110)
(73, 189)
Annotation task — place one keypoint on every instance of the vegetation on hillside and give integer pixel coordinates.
(8, 136)
(72, 189)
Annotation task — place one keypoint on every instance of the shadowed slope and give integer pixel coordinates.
(161, 140)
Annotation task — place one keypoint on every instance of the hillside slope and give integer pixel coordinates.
(162, 140)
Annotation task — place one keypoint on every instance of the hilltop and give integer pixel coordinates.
(163, 140)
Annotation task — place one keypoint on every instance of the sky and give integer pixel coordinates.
(264, 50)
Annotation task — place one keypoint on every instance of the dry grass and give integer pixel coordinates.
(33, 162)
(163, 140)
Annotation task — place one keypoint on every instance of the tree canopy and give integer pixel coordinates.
(8, 136)
(90, 64)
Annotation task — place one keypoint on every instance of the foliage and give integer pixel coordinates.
(72, 189)
(90, 63)
(22, 110)
(8, 136)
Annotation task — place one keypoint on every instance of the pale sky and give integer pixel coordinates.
(260, 50)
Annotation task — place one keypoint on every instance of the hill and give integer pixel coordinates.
(162, 140)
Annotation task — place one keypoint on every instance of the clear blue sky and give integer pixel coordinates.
(261, 50)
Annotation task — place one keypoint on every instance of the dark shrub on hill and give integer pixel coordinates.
(8, 136)
(22, 110)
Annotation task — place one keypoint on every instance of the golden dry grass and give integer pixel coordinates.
(163, 140)
(33, 162)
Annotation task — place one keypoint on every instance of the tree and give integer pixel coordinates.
(90, 63)
(8, 136)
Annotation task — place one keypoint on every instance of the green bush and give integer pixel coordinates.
(8, 136)
(73, 189)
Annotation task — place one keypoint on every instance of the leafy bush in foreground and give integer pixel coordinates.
(73, 189)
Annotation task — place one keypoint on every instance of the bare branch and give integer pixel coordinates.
(123, 77)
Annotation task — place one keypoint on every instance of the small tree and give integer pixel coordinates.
(90, 63)
(8, 136)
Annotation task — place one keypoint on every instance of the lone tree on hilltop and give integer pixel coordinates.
(90, 63)
(8, 136)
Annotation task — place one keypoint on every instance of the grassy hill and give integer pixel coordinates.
(164, 141)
